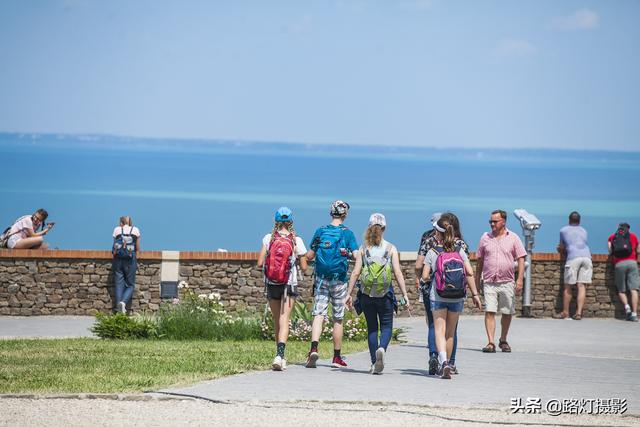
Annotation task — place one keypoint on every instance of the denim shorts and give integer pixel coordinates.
(454, 307)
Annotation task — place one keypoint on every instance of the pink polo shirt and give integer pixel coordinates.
(498, 256)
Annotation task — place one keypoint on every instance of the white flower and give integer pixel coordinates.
(202, 296)
(183, 284)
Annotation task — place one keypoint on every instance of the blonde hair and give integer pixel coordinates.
(126, 220)
(277, 226)
(373, 235)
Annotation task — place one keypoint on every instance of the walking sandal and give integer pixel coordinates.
(490, 348)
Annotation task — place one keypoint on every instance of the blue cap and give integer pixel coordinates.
(284, 214)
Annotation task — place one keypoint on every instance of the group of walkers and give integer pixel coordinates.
(443, 269)
(443, 276)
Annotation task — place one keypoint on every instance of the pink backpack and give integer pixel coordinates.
(450, 277)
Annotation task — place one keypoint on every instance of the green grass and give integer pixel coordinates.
(108, 366)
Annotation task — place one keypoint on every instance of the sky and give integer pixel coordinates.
(505, 74)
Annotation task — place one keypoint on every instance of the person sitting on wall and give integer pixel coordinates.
(23, 233)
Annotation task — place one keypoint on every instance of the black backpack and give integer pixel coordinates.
(621, 244)
(124, 245)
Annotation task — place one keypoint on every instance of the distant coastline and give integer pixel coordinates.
(625, 159)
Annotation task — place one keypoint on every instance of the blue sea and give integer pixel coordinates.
(206, 195)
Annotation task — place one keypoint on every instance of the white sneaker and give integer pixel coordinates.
(378, 367)
(279, 364)
(372, 368)
(122, 307)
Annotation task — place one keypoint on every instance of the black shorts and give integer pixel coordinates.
(276, 291)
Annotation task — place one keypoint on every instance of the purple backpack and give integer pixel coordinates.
(451, 281)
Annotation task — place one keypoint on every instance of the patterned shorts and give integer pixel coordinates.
(329, 290)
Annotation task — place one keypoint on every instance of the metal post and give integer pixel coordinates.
(530, 223)
(526, 294)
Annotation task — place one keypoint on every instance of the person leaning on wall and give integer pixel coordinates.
(578, 268)
(126, 246)
(623, 247)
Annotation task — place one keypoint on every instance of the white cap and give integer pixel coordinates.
(437, 227)
(377, 219)
(435, 216)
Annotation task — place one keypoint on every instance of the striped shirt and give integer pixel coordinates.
(498, 255)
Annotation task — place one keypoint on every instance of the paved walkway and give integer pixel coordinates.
(46, 326)
(551, 359)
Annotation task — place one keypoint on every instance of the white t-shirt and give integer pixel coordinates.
(299, 250)
(126, 229)
(127, 240)
(20, 227)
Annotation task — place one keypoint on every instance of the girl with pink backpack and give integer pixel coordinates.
(281, 253)
(452, 274)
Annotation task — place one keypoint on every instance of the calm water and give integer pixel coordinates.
(202, 195)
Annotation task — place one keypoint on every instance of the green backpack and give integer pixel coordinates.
(376, 276)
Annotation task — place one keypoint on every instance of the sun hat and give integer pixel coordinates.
(284, 214)
(377, 219)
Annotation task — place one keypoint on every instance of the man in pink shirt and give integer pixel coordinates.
(496, 254)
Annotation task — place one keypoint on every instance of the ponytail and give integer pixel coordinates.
(373, 235)
(449, 243)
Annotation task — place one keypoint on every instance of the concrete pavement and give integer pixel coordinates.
(46, 326)
(551, 359)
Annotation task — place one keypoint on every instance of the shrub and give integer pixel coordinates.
(204, 317)
(120, 326)
(354, 326)
(192, 317)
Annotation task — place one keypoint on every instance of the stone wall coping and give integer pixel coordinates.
(70, 254)
(205, 256)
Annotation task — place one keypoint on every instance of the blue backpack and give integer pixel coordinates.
(124, 245)
(330, 262)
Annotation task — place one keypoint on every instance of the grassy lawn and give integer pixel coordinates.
(106, 366)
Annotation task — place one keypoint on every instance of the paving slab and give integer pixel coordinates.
(551, 359)
(46, 326)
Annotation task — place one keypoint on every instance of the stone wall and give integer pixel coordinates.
(81, 283)
(68, 283)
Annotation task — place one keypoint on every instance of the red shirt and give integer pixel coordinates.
(634, 245)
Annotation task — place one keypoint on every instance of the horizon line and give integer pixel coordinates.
(312, 144)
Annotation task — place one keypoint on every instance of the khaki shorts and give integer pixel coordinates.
(578, 270)
(500, 297)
